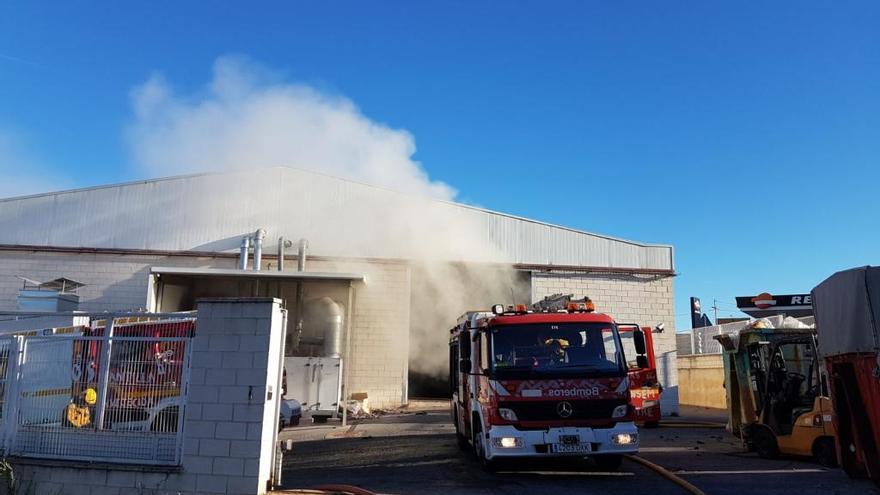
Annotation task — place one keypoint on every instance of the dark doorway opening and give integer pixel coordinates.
(441, 292)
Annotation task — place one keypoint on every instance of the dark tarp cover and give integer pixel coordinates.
(847, 310)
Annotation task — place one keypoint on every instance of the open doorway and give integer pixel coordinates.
(178, 289)
(441, 292)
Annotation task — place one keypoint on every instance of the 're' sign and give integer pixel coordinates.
(767, 304)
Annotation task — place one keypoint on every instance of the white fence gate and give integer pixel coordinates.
(113, 391)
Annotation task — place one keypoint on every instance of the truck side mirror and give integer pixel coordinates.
(642, 361)
(464, 366)
(639, 342)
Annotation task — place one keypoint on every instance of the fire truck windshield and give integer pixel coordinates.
(556, 349)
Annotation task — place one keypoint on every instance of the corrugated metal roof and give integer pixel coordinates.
(211, 212)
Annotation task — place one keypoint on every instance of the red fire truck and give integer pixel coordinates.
(645, 389)
(547, 382)
(145, 376)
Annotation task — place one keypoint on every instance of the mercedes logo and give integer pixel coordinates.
(564, 409)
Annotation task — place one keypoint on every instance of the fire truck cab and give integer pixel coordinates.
(541, 383)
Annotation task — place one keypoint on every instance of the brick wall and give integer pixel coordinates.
(629, 299)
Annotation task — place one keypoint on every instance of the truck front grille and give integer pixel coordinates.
(548, 410)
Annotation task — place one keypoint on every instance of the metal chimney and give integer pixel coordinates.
(300, 294)
(259, 235)
(243, 253)
(282, 245)
(301, 255)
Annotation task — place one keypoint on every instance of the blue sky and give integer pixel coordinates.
(746, 134)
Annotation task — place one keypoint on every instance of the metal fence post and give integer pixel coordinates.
(11, 392)
(184, 394)
(104, 373)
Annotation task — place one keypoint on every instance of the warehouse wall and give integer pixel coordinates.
(644, 300)
(380, 323)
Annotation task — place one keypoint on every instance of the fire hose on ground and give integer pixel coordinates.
(666, 474)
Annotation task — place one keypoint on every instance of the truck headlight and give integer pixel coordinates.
(507, 414)
(620, 411)
(625, 438)
(508, 442)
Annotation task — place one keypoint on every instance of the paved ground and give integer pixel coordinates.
(417, 453)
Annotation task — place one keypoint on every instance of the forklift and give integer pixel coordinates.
(777, 393)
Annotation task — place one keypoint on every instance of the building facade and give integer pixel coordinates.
(402, 267)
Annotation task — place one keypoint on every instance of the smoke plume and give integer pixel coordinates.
(247, 118)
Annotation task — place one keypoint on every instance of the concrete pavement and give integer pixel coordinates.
(417, 453)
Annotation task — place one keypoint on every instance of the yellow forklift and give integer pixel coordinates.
(777, 394)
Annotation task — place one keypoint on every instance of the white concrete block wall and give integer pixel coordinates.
(232, 395)
(644, 300)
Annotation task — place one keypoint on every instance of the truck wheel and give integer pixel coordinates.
(480, 447)
(765, 443)
(825, 452)
(608, 462)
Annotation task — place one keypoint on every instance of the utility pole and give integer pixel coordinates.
(715, 309)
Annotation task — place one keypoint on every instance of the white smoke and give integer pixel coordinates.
(245, 118)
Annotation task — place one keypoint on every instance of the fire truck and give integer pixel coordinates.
(145, 376)
(542, 382)
(641, 363)
(144, 388)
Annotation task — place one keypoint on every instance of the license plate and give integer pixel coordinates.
(560, 448)
(569, 439)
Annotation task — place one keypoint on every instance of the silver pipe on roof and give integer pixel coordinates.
(301, 255)
(243, 253)
(259, 235)
(281, 254)
(300, 294)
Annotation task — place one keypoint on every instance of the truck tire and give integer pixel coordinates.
(609, 462)
(479, 441)
(825, 452)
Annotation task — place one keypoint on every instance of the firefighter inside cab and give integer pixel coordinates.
(541, 382)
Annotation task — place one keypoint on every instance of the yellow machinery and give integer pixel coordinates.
(777, 395)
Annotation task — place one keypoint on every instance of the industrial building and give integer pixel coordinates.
(399, 269)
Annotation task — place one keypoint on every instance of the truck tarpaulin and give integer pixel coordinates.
(847, 310)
